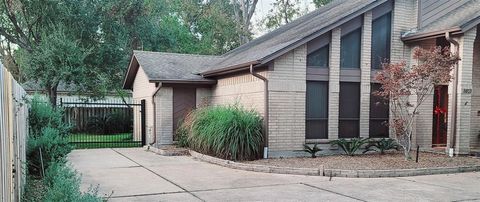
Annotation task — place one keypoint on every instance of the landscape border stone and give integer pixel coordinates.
(321, 171)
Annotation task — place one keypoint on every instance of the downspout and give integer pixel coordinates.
(265, 105)
(154, 114)
(453, 129)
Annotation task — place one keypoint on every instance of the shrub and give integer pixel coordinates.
(63, 184)
(48, 132)
(311, 150)
(54, 149)
(42, 114)
(382, 145)
(229, 132)
(351, 146)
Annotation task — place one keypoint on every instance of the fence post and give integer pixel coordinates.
(144, 122)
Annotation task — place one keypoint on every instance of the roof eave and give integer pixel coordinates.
(180, 81)
(229, 69)
(430, 35)
(128, 81)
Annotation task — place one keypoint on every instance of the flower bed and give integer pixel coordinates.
(393, 160)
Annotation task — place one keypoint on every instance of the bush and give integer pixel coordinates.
(229, 132)
(382, 145)
(311, 150)
(351, 146)
(63, 184)
(48, 132)
(54, 149)
(42, 114)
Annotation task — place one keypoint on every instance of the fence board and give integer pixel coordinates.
(13, 133)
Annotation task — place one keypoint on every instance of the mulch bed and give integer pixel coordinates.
(374, 161)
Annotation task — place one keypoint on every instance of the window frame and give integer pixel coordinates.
(356, 115)
(375, 118)
(324, 120)
(327, 47)
(388, 45)
(344, 48)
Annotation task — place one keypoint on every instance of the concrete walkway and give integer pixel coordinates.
(137, 175)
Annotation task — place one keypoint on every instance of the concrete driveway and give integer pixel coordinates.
(137, 175)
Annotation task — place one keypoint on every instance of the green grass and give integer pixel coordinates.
(92, 141)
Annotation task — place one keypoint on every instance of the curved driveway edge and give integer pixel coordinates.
(321, 171)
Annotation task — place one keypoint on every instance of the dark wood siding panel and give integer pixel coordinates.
(184, 100)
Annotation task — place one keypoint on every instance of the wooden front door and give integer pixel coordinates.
(184, 100)
(440, 109)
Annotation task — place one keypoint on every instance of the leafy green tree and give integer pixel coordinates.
(93, 40)
(320, 3)
(283, 12)
(243, 12)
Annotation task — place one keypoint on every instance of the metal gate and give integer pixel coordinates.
(105, 124)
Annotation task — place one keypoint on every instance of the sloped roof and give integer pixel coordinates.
(458, 20)
(169, 67)
(290, 35)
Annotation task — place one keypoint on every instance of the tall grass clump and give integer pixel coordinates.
(229, 132)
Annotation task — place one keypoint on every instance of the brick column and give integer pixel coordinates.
(164, 116)
(464, 100)
(334, 84)
(365, 69)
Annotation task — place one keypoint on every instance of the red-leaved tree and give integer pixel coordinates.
(407, 87)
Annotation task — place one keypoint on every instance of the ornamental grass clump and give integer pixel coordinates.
(229, 132)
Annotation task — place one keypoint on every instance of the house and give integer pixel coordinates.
(312, 79)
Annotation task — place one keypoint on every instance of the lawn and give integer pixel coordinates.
(92, 141)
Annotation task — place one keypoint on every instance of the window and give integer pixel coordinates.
(349, 116)
(381, 30)
(317, 110)
(379, 113)
(319, 58)
(350, 49)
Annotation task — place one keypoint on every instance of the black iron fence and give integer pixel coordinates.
(104, 124)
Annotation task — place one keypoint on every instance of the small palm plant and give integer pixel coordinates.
(382, 145)
(311, 150)
(351, 146)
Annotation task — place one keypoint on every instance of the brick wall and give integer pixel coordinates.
(164, 116)
(424, 120)
(287, 102)
(365, 74)
(334, 84)
(475, 120)
(464, 105)
(243, 89)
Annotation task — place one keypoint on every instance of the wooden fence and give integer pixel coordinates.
(13, 133)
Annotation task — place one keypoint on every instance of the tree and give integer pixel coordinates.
(320, 3)
(283, 12)
(243, 10)
(407, 88)
(56, 59)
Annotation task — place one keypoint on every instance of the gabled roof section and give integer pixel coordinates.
(456, 21)
(294, 34)
(169, 67)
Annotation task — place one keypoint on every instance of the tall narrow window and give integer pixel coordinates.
(349, 116)
(379, 113)
(350, 49)
(317, 110)
(381, 30)
(319, 58)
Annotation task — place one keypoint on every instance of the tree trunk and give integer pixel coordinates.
(52, 94)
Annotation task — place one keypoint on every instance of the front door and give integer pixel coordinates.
(184, 101)
(440, 109)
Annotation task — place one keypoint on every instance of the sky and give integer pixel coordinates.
(264, 6)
